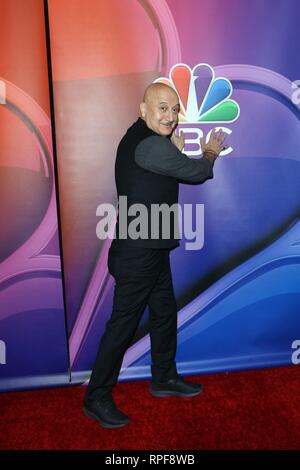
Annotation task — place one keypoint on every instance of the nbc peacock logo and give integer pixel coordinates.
(203, 98)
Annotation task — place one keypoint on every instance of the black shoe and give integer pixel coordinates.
(175, 388)
(106, 413)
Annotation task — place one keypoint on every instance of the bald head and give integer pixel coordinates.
(160, 108)
(157, 88)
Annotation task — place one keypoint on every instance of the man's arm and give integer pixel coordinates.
(161, 156)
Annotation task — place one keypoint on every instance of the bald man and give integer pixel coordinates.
(149, 166)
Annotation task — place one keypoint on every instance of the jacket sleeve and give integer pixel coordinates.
(161, 156)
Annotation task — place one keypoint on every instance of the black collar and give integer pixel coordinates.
(142, 126)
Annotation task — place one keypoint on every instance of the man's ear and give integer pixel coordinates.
(143, 108)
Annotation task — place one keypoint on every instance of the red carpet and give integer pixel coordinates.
(246, 410)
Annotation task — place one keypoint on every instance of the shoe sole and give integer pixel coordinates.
(162, 394)
(89, 414)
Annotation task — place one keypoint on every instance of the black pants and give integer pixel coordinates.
(142, 276)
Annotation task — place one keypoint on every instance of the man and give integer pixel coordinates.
(149, 166)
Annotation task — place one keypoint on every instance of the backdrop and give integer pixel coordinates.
(33, 342)
(233, 65)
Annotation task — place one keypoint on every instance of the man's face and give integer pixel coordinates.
(160, 111)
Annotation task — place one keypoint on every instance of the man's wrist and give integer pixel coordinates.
(210, 155)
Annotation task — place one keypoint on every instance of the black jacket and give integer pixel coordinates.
(148, 169)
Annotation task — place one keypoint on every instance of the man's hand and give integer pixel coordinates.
(215, 144)
(178, 141)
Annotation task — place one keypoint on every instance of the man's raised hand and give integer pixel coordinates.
(178, 140)
(215, 145)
